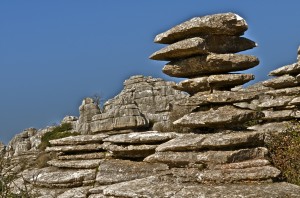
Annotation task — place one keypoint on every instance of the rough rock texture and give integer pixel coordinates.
(222, 24)
(210, 64)
(281, 82)
(80, 139)
(289, 69)
(79, 164)
(203, 45)
(75, 148)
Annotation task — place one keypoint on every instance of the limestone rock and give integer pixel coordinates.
(238, 175)
(196, 142)
(223, 24)
(141, 137)
(84, 156)
(80, 139)
(78, 164)
(221, 81)
(281, 82)
(130, 151)
(183, 159)
(75, 148)
(70, 119)
(203, 45)
(210, 64)
(2, 149)
(298, 77)
(284, 92)
(280, 115)
(87, 110)
(277, 101)
(115, 171)
(243, 164)
(295, 101)
(220, 117)
(80, 192)
(289, 69)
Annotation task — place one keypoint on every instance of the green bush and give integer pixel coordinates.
(284, 151)
(58, 132)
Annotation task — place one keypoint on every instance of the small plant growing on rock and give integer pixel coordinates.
(284, 150)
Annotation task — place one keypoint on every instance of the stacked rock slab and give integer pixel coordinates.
(284, 100)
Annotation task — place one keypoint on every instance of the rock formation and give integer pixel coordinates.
(123, 151)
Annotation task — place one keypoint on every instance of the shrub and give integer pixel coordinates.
(58, 132)
(284, 151)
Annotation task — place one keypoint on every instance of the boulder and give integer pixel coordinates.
(213, 82)
(80, 139)
(149, 137)
(210, 158)
(202, 46)
(209, 64)
(116, 171)
(218, 117)
(222, 24)
(281, 82)
(78, 164)
(289, 69)
(228, 139)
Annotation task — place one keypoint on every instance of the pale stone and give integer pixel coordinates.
(220, 117)
(289, 69)
(141, 137)
(284, 92)
(295, 101)
(80, 192)
(280, 115)
(83, 156)
(75, 148)
(224, 23)
(210, 64)
(203, 45)
(115, 171)
(281, 82)
(243, 164)
(80, 139)
(277, 101)
(196, 142)
(78, 164)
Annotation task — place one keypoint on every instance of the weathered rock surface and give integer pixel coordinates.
(281, 115)
(203, 45)
(210, 158)
(75, 148)
(79, 164)
(84, 156)
(80, 139)
(276, 101)
(210, 64)
(289, 69)
(195, 85)
(281, 82)
(115, 171)
(222, 24)
(243, 164)
(291, 91)
(220, 117)
(142, 137)
(196, 142)
(80, 192)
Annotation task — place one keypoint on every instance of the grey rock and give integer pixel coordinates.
(70, 119)
(2, 149)
(80, 192)
(238, 175)
(281, 82)
(87, 110)
(210, 158)
(77, 164)
(225, 23)
(228, 139)
(75, 148)
(84, 156)
(80, 139)
(284, 92)
(295, 101)
(97, 189)
(220, 117)
(213, 82)
(289, 69)
(142, 137)
(115, 171)
(129, 151)
(277, 101)
(209, 64)
(298, 77)
(243, 164)
(203, 45)
(280, 115)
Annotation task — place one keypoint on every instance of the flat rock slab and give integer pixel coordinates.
(223, 24)
(77, 164)
(215, 141)
(51, 178)
(284, 92)
(210, 158)
(221, 117)
(80, 139)
(80, 192)
(209, 64)
(238, 175)
(130, 151)
(218, 97)
(75, 148)
(276, 101)
(280, 115)
(84, 156)
(203, 45)
(115, 171)
(168, 186)
(281, 82)
(243, 164)
(141, 137)
(288, 69)
(221, 81)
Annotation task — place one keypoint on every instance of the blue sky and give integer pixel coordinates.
(55, 53)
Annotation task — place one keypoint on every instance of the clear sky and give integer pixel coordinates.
(54, 53)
